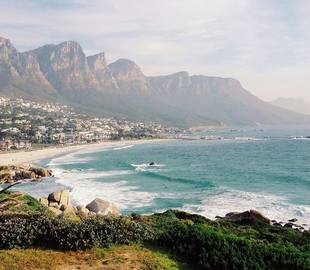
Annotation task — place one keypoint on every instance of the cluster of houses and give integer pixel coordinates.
(23, 123)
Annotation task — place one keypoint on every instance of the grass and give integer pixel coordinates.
(18, 202)
(116, 257)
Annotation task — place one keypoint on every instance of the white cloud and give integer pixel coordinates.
(263, 43)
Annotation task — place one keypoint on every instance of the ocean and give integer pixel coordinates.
(250, 168)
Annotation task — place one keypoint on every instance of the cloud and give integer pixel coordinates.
(252, 40)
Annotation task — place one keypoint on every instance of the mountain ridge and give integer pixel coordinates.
(293, 104)
(63, 72)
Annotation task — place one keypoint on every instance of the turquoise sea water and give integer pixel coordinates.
(270, 173)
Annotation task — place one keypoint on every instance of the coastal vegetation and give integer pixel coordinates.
(202, 243)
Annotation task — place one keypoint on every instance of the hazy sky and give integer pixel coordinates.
(263, 43)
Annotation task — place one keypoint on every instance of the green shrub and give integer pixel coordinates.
(211, 245)
(205, 244)
(66, 234)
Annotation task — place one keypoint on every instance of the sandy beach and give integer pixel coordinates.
(15, 158)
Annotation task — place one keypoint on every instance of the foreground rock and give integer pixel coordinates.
(61, 197)
(11, 173)
(102, 207)
(59, 203)
(247, 217)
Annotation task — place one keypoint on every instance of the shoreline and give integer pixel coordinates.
(18, 158)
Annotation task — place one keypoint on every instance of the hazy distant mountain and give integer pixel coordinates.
(63, 72)
(292, 104)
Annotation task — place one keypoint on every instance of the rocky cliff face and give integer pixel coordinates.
(103, 75)
(64, 73)
(20, 72)
(129, 76)
(65, 66)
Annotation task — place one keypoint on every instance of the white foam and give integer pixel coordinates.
(275, 207)
(147, 166)
(71, 158)
(123, 147)
(88, 184)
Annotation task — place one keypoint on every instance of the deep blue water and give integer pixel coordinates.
(271, 174)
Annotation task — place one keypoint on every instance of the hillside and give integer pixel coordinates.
(292, 104)
(64, 73)
(239, 241)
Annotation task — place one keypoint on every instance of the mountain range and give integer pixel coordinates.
(293, 104)
(63, 73)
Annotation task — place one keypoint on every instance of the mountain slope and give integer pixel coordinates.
(64, 73)
(292, 104)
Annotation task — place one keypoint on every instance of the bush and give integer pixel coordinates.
(212, 246)
(62, 233)
(204, 243)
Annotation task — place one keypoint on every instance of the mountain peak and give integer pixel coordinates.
(69, 44)
(97, 61)
(128, 75)
(5, 41)
(124, 65)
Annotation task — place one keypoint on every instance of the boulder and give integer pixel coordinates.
(54, 205)
(24, 174)
(62, 197)
(6, 176)
(41, 172)
(289, 225)
(102, 207)
(293, 220)
(54, 196)
(247, 217)
(70, 210)
(44, 201)
(82, 211)
(57, 212)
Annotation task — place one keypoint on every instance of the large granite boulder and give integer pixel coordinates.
(61, 197)
(70, 210)
(82, 211)
(102, 207)
(55, 211)
(43, 201)
(247, 217)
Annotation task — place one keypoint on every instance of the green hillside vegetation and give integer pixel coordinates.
(202, 243)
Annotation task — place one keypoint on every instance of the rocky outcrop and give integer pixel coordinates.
(59, 203)
(12, 173)
(102, 207)
(61, 197)
(82, 211)
(247, 217)
(102, 73)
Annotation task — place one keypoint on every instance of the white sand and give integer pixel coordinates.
(14, 158)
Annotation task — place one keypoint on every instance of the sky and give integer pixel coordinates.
(263, 43)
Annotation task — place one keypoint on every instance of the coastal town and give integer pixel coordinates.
(25, 124)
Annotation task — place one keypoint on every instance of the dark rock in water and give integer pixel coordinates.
(293, 220)
(218, 217)
(277, 224)
(152, 163)
(230, 214)
(273, 221)
(289, 225)
(247, 217)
